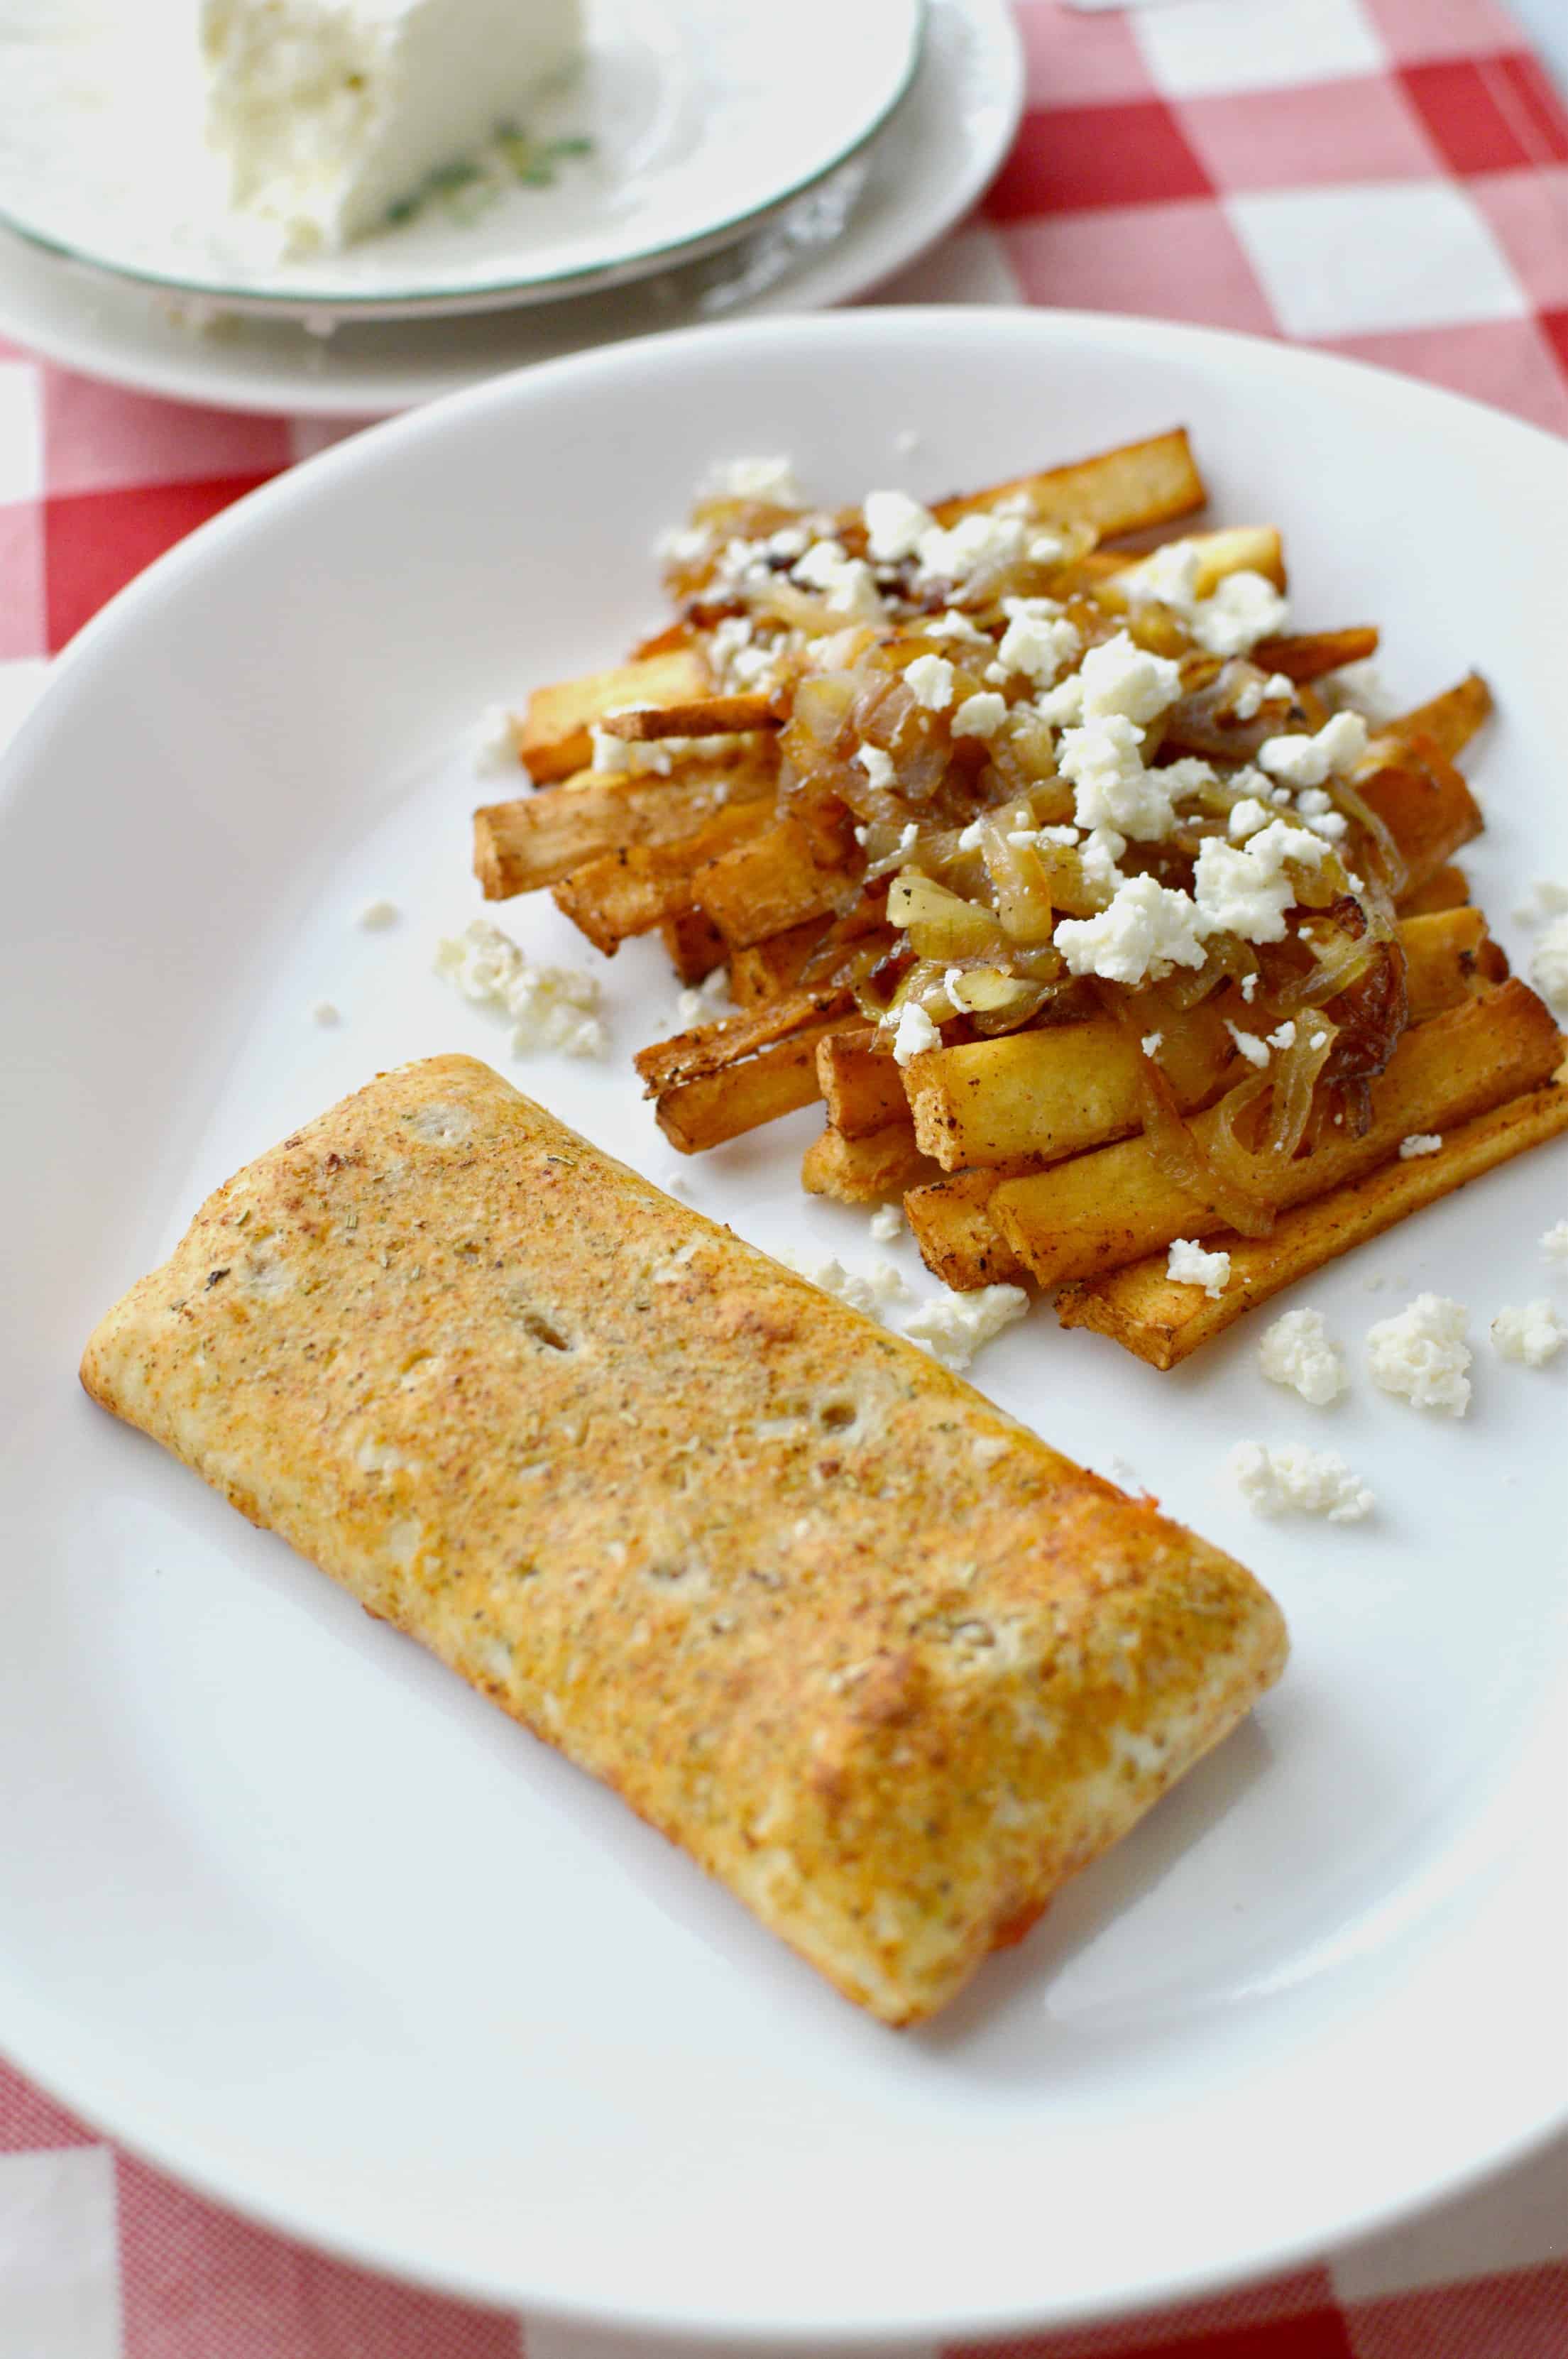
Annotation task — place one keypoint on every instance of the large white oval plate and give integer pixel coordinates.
(699, 116)
(284, 1905)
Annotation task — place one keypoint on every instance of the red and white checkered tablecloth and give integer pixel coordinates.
(1382, 178)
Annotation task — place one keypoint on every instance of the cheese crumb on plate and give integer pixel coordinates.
(1292, 1479)
(1531, 1333)
(1189, 1264)
(1297, 1351)
(1421, 1353)
(550, 1008)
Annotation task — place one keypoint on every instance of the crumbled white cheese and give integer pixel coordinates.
(1249, 990)
(1307, 761)
(1421, 1353)
(1102, 762)
(377, 916)
(1147, 929)
(495, 745)
(1151, 1043)
(953, 1327)
(915, 1034)
(976, 544)
(1549, 965)
(1546, 900)
(325, 1014)
(683, 544)
(1297, 1351)
(613, 756)
(549, 1007)
(1292, 1479)
(1252, 1048)
(1284, 1037)
(1555, 1243)
(1254, 693)
(1246, 818)
(895, 525)
(969, 837)
(1244, 888)
(886, 1222)
(844, 581)
(951, 624)
(1531, 1334)
(1243, 608)
(711, 997)
(1036, 643)
(770, 479)
(1189, 1264)
(739, 662)
(872, 1295)
(930, 681)
(1097, 857)
(1420, 1142)
(980, 715)
(1118, 677)
(877, 764)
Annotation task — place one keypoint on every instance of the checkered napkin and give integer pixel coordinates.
(1383, 178)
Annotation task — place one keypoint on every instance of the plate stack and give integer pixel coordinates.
(693, 166)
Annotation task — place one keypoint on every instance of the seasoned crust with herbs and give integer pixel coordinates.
(870, 1651)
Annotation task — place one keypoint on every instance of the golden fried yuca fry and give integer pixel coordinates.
(1126, 490)
(1308, 654)
(743, 1615)
(1101, 1210)
(864, 1091)
(864, 1170)
(693, 944)
(1451, 720)
(711, 1047)
(959, 1241)
(624, 893)
(553, 738)
(708, 716)
(713, 1106)
(1445, 889)
(1423, 801)
(1048, 1093)
(767, 886)
(535, 839)
(1162, 1322)
(1234, 549)
(1065, 1087)
(763, 968)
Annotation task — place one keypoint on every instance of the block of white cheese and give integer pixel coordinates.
(329, 112)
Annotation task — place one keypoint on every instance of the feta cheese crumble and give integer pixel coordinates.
(771, 479)
(1421, 1353)
(1037, 641)
(495, 746)
(1245, 888)
(1243, 607)
(1189, 1264)
(1307, 761)
(894, 525)
(872, 1295)
(930, 681)
(877, 764)
(916, 1033)
(844, 581)
(1251, 1046)
(1555, 1243)
(1151, 1043)
(1549, 965)
(1531, 1334)
(886, 1222)
(1102, 762)
(1421, 1142)
(980, 715)
(1120, 678)
(1292, 1479)
(1148, 929)
(549, 1007)
(1296, 1350)
(953, 1327)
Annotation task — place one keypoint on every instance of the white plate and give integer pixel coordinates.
(281, 1902)
(700, 116)
(920, 175)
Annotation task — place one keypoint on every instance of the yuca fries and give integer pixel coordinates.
(1045, 865)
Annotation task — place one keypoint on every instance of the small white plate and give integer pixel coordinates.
(700, 118)
(871, 217)
(288, 1907)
